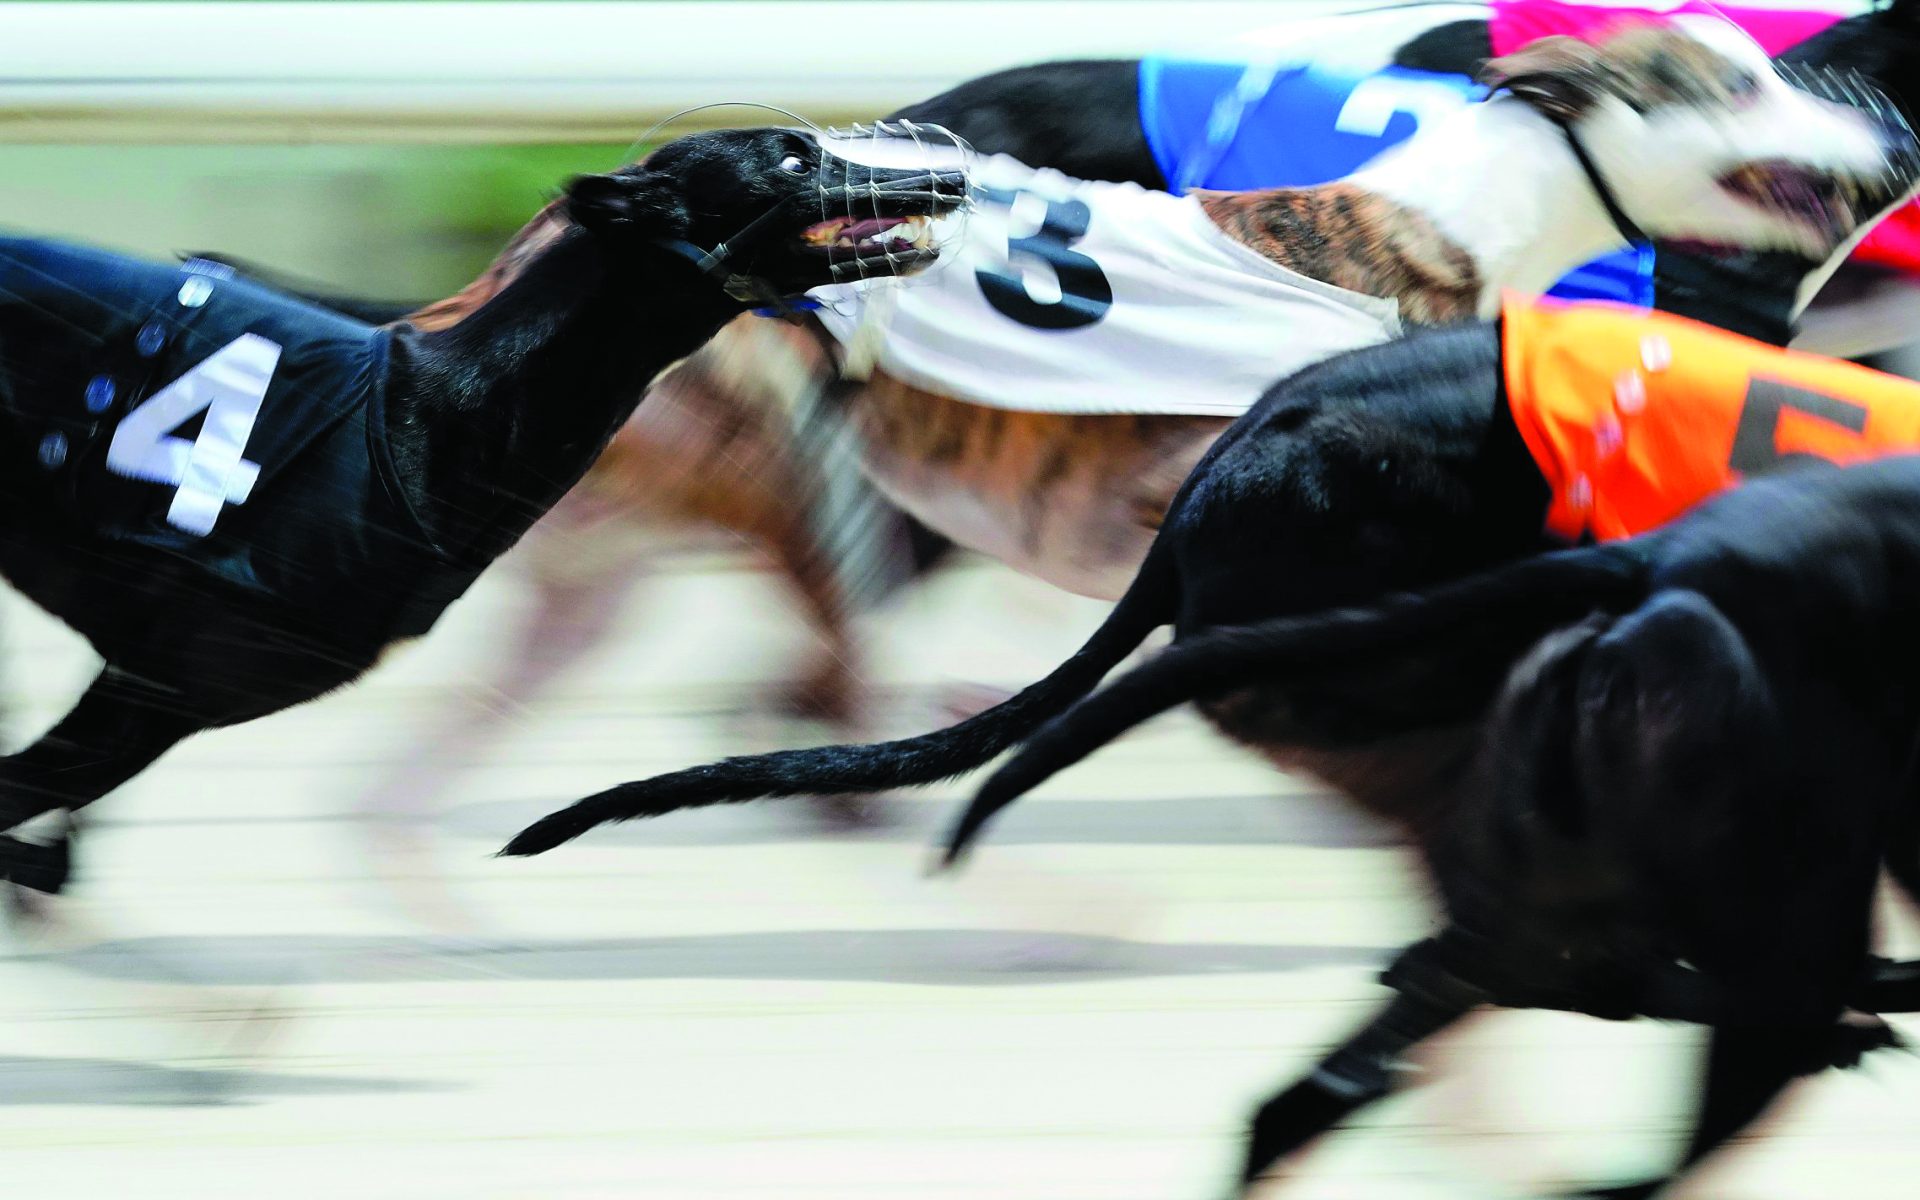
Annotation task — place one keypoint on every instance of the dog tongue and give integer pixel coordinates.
(861, 230)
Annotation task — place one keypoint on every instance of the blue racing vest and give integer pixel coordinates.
(1239, 127)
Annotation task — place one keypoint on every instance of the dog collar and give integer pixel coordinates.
(1621, 221)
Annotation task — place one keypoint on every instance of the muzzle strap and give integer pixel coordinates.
(710, 262)
(1621, 221)
(717, 261)
(746, 289)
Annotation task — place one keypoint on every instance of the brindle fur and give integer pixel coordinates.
(1359, 241)
(1069, 497)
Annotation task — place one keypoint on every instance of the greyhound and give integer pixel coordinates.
(1695, 746)
(347, 482)
(1067, 482)
(1315, 98)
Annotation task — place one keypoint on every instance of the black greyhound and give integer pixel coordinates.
(1707, 768)
(241, 500)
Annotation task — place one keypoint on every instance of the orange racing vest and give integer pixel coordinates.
(1635, 417)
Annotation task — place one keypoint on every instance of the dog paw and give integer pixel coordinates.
(35, 866)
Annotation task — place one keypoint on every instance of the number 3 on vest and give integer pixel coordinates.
(209, 472)
(1084, 294)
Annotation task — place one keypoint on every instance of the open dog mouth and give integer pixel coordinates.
(1824, 203)
(873, 241)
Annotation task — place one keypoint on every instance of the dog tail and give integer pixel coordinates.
(1525, 599)
(928, 758)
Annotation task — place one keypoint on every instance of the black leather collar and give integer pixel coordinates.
(1621, 221)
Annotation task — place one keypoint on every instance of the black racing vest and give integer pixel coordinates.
(226, 425)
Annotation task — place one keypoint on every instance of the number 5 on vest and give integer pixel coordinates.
(209, 472)
(1755, 438)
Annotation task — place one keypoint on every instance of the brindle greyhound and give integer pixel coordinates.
(1442, 226)
(350, 481)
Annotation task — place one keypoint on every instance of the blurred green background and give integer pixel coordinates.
(393, 221)
(390, 148)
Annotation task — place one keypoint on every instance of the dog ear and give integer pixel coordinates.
(1561, 76)
(625, 202)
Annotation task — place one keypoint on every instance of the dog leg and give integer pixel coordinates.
(115, 731)
(109, 736)
(1748, 1067)
(1363, 1069)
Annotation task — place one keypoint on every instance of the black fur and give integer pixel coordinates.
(1708, 769)
(1346, 480)
(487, 423)
(1456, 48)
(1376, 472)
(1081, 118)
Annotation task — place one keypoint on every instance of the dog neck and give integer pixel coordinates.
(1490, 200)
(491, 418)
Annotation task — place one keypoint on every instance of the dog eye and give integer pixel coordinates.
(793, 164)
(1743, 86)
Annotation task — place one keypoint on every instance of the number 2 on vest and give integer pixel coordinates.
(210, 471)
(1085, 295)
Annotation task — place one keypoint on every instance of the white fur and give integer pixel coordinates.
(1500, 180)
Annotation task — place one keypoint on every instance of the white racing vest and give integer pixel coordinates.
(1075, 297)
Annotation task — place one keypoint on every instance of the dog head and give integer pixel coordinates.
(777, 211)
(1701, 139)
